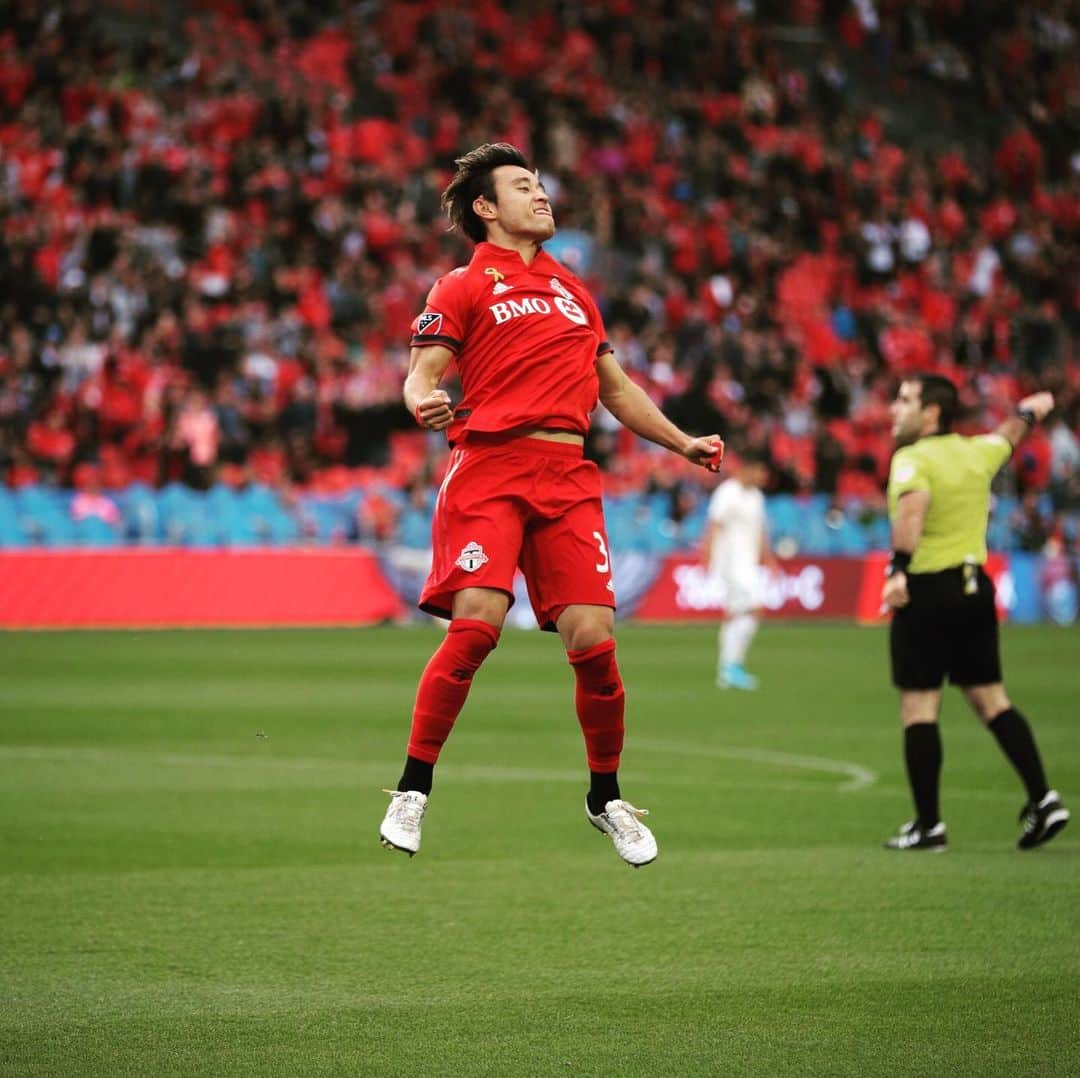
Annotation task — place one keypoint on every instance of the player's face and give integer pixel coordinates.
(522, 207)
(907, 414)
(757, 475)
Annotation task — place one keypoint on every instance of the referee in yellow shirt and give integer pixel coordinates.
(944, 619)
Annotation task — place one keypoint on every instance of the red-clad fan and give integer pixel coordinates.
(533, 359)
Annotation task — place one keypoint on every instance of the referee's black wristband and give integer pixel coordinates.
(1027, 415)
(899, 562)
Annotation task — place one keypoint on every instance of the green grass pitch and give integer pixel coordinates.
(191, 883)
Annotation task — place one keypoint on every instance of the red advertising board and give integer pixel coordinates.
(189, 588)
(799, 587)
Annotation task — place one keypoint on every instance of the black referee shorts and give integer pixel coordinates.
(949, 629)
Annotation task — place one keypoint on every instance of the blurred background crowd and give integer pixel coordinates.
(217, 221)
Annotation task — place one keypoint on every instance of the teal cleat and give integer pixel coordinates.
(734, 676)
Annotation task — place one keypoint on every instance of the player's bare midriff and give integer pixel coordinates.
(546, 435)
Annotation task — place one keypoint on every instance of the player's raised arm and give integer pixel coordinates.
(429, 404)
(631, 406)
(1031, 410)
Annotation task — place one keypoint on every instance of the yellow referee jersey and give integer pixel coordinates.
(957, 472)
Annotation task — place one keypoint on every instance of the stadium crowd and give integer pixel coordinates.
(217, 229)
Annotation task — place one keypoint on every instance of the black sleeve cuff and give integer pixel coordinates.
(420, 340)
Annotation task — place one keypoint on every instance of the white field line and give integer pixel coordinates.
(256, 758)
(857, 776)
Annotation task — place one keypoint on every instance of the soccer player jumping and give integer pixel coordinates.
(533, 359)
(944, 618)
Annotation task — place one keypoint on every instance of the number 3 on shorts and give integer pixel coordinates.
(603, 566)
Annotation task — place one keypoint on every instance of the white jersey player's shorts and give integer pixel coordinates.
(742, 585)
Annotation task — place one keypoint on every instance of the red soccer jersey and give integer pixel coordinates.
(526, 340)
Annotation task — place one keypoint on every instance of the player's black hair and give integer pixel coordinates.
(473, 180)
(934, 389)
(756, 455)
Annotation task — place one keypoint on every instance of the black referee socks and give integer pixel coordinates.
(1018, 743)
(922, 754)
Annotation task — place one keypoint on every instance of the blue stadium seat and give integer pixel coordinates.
(35, 500)
(138, 504)
(643, 526)
(266, 516)
(221, 499)
(282, 528)
(395, 495)
(999, 535)
(414, 528)
(95, 532)
(619, 516)
(813, 535)
(784, 518)
(327, 518)
(234, 528)
(12, 534)
(42, 514)
(694, 524)
(185, 519)
(56, 529)
(878, 533)
(846, 539)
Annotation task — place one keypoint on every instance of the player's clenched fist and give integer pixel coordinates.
(707, 451)
(434, 411)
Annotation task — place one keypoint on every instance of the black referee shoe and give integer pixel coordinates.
(913, 837)
(1042, 821)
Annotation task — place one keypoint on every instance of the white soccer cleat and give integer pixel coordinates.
(634, 842)
(400, 828)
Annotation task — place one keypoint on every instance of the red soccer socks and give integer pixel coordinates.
(601, 704)
(445, 684)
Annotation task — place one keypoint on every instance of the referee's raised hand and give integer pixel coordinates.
(1039, 404)
(1031, 410)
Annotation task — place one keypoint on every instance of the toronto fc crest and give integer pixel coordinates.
(472, 556)
(559, 287)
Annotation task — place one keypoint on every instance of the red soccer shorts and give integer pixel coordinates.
(520, 503)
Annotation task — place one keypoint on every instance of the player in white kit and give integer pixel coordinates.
(736, 546)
